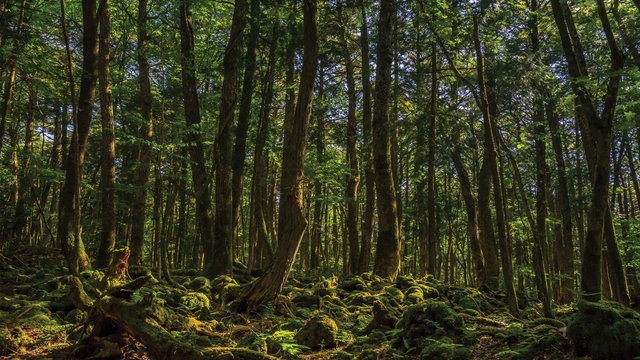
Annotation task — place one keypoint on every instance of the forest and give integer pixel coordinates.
(319, 179)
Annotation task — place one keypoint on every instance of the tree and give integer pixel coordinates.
(387, 256)
(291, 220)
(69, 228)
(108, 149)
(193, 135)
(223, 227)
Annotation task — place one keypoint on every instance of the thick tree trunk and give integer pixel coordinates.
(292, 222)
(222, 261)
(69, 231)
(387, 257)
(108, 149)
(193, 135)
(144, 132)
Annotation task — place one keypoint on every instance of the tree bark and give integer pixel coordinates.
(144, 132)
(108, 149)
(370, 190)
(69, 230)
(387, 257)
(292, 222)
(222, 261)
(239, 150)
(193, 135)
(432, 232)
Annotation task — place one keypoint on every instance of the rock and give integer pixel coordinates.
(353, 284)
(382, 318)
(605, 330)
(195, 301)
(200, 284)
(318, 333)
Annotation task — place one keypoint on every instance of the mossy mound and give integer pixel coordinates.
(195, 301)
(320, 332)
(428, 320)
(353, 284)
(200, 284)
(605, 330)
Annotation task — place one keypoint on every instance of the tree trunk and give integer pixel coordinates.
(222, 261)
(69, 231)
(597, 131)
(387, 257)
(259, 254)
(144, 132)
(108, 149)
(370, 190)
(239, 150)
(292, 222)
(565, 246)
(193, 135)
(432, 232)
(353, 179)
(490, 160)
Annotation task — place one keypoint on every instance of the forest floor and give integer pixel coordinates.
(361, 317)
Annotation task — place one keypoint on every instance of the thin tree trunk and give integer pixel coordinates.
(223, 226)
(193, 135)
(69, 231)
(432, 232)
(239, 150)
(143, 154)
(370, 191)
(387, 257)
(108, 149)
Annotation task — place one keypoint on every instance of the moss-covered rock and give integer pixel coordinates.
(605, 330)
(393, 296)
(76, 316)
(195, 301)
(200, 284)
(354, 284)
(404, 282)
(319, 332)
(429, 319)
(383, 318)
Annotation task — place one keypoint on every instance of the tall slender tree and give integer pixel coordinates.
(387, 257)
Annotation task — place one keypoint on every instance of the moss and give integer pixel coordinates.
(429, 319)
(404, 282)
(76, 316)
(195, 301)
(319, 332)
(473, 300)
(508, 354)
(308, 300)
(361, 299)
(14, 340)
(393, 296)
(444, 350)
(414, 295)
(383, 318)
(200, 284)
(605, 330)
(545, 321)
(353, 284)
